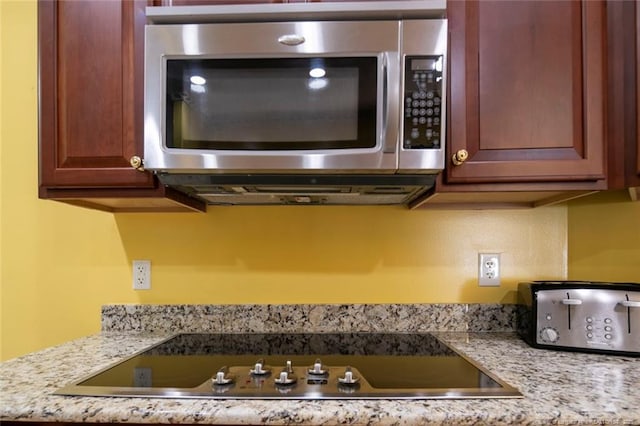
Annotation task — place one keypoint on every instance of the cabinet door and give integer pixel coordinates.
(527, 87)
(635, 180)
(623, 103)
(91, 99)
(632, 150)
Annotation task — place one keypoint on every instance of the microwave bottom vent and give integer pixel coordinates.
(301, 189)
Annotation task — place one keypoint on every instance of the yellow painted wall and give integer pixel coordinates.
(604, 238)
(60, 263)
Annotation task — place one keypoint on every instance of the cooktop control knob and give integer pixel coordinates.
(317, 369)
(549, 334)
(349, 378)
(260, 369)
(287, 377)
(222, 377)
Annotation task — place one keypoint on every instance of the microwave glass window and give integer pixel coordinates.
(271, 104)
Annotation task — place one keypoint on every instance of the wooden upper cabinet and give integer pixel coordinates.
(91, 65)
(91, 93)
(632, 111)
(634, 176)
(527, 91)
(623, 106)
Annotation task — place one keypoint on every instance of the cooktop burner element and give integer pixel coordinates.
(296, 366)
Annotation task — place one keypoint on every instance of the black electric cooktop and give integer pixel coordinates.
(296, 366)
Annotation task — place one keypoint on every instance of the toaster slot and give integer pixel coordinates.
(569, 302)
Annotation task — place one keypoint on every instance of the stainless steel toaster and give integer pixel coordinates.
(587, 316)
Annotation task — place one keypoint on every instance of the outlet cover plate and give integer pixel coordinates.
(141, 275)
(489, 269)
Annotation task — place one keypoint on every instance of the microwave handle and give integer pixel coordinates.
(391, 107)
(388, 148)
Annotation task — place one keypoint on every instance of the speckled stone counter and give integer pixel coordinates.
(316, 318)
(559, 388)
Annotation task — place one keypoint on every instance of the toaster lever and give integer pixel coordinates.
(569, 302)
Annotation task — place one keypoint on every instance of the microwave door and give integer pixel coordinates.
(234, 97)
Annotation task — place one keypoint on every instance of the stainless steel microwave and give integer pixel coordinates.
(295, 90)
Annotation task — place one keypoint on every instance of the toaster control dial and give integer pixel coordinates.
(549, 334)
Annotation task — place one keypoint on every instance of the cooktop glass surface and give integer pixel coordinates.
(303, 366)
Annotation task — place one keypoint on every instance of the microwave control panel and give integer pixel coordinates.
(423, 109)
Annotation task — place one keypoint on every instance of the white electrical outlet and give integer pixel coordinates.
(141, 274)
(489, 269)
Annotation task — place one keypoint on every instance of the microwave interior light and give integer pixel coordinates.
(198, 80)
(317, 72)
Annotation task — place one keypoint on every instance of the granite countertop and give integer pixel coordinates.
(558, 387)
